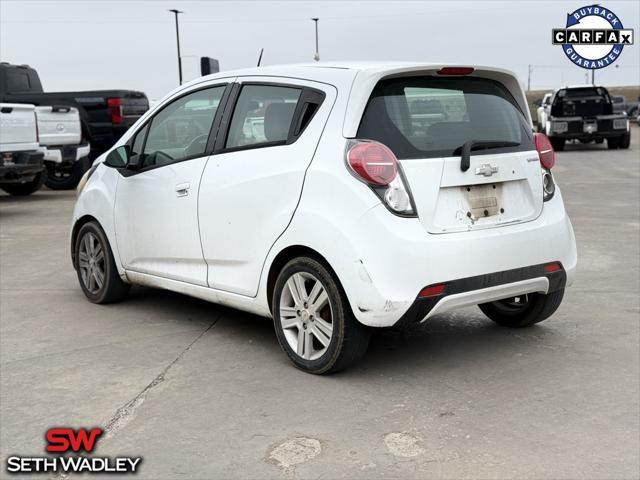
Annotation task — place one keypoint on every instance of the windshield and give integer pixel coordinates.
(424, 117)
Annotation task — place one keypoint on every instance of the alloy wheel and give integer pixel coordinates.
(306, 315)
(91, 263)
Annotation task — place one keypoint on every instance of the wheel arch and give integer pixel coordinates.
(287, 254)
(74, 234)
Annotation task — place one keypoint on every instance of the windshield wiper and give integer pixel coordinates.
(465, 150)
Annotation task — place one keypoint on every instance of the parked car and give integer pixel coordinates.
(105, 114)
(585, 113)
(21, 168)
(60, 139)
(339, 212)
(543, 112)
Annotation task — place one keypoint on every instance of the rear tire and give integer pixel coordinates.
(313, 320)
(625, 141)
(557, 144)
(613, 143)
(23, 189)
(96, 267)
(529, 310)
(67, 177)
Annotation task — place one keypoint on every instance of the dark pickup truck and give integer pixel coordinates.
(586, 113)
(105, 114)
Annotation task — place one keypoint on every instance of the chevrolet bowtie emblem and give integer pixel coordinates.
(486, 170)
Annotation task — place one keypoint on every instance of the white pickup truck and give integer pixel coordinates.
(41, 145)
(21, 166)
(60, 138)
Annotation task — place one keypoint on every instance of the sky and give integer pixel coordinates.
(100, 44)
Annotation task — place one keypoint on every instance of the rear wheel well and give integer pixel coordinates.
(74, 234)
(284, 257)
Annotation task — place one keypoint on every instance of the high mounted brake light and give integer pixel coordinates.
(456, 71)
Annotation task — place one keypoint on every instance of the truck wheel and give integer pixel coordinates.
(23, 189)
(313, 319)
(524, 310)
(613, 143)
(96, 267)
(557, 144)
(625, 141)
(61, 177)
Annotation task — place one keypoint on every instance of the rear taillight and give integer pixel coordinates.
(547, 160)
(545, 150)
(114, 105)
(455, 71)
(373, 162)
(376, 165)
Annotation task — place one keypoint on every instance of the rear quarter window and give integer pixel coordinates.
(425, 117)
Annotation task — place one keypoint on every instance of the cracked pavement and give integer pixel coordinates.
(203, 391)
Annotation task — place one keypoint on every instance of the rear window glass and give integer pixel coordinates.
(18, 81)
(423, 117)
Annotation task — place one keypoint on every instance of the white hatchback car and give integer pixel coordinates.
(333, 198)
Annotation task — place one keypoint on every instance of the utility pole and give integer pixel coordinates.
(176, 12)
(529, 78)
(316, 56)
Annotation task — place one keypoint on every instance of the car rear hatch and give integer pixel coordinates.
(58, 125)
(17, 127)
(429, 121)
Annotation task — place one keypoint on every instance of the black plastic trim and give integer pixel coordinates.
(422, 306)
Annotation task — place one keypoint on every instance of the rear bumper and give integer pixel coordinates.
(465, 292)
(583, 128)
(394, 258)
(22, 167)
(65, 153)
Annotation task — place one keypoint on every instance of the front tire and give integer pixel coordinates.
(23, 189)
(66, 177)
(524, 310)
(313, 319)
(96, 267)
(613, 143)
(625, 141)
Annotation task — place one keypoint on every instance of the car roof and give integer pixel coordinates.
(359, 79)
(330, 72)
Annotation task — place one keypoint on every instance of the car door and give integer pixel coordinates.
(156, 210)
(251, 186)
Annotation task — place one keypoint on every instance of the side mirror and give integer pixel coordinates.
(118, 157)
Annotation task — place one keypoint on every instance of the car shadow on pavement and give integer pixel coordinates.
(462, 339)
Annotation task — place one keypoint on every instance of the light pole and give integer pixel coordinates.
(316, 56)
(176, 12)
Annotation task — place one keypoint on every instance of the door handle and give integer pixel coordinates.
(182, 189)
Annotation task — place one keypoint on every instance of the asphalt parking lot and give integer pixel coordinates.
(201, 391)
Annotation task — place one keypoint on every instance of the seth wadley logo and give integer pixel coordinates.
(67, 440)
(593, 37)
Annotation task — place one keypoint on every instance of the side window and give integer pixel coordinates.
(181, 129)
(17, 81)
(263, 114)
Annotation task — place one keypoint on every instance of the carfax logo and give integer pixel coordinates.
(68, 444)
(593, 37)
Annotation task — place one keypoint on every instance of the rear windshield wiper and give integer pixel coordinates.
(465, 150)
